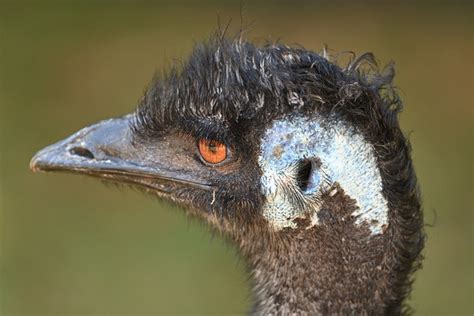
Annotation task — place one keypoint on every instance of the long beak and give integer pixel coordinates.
(108, 150)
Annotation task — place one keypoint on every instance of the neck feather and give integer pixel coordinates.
(335, 266)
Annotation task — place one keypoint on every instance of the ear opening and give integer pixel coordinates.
(303, 176)
(309, 176)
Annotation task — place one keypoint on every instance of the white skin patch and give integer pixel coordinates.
(338, 154)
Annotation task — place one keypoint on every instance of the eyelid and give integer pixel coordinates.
(205, 128)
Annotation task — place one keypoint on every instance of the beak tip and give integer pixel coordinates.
(44, 159)
(35, 163)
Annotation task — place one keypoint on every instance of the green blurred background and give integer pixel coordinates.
(72, 246)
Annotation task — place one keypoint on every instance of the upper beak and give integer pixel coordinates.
(108, 150)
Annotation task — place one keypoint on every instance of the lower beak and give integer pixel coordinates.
(108, 150)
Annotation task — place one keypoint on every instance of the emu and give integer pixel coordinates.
(298, 161)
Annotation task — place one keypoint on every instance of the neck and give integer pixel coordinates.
(334, 267)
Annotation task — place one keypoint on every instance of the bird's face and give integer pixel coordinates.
(277, 174)
(236, 137)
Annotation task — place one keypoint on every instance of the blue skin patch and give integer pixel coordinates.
(338, 154)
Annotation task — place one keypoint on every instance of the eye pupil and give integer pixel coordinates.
(212, 146)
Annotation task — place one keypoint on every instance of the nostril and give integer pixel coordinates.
(82, 152)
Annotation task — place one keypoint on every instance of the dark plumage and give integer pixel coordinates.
(232, 92)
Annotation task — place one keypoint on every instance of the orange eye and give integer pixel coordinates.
(212, 151)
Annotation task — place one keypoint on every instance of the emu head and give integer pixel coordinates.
(298, 161)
